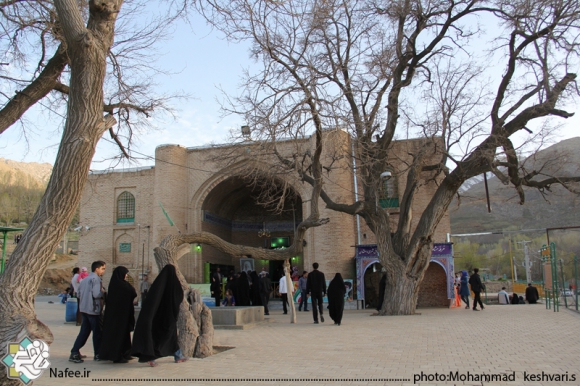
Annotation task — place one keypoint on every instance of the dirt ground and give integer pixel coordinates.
(58, 274)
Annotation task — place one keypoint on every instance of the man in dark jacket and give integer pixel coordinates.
(265, 289)
(216, 286)
(532, 294)
(476, 286)
(316, 287)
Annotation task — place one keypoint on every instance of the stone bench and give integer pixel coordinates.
(237, 317)
(231, 317)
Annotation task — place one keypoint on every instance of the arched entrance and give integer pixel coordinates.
(372, 279)
(433, 289)
(235, 211)
(437, 287)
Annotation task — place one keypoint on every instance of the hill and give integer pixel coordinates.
(39, 172)
(22, 185)
(556, 207)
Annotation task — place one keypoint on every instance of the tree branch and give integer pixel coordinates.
(35, 91)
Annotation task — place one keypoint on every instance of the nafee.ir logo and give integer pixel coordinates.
(26, 360)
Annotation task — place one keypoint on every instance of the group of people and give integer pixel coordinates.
(242, 289)
(532, 296)
(464, 281)
(245, 289)
(155, 333)
(79, 274)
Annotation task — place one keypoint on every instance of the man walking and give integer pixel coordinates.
(476, 286)
(316, 287)
(302, 285)
(92, 295)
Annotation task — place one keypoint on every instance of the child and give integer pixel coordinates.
(64, 295)
(84, 273)
(229, 299)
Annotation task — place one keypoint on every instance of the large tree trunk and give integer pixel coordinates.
(84, 127)
(403, 276)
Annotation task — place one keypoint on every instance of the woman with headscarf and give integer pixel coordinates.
(155, 334)
(464, 288)
(255, 289)
(243, 292)
(119, 319)
(335, 292)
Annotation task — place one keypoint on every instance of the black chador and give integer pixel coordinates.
(119, 318)
(155, 334)
(336, 292)
(243, 298)
(255, 290)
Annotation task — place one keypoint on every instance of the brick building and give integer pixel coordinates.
(123, 221)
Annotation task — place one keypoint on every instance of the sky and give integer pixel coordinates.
(201, 62)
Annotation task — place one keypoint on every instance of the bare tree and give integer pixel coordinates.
(83, 34)
(36, 66)
(361, 65)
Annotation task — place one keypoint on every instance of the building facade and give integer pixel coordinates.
(122, 212)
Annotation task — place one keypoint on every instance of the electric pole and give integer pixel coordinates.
(527, 263)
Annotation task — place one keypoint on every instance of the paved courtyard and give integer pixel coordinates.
(527, 340)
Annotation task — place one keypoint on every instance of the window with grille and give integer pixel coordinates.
(389, 195)
(126, 207)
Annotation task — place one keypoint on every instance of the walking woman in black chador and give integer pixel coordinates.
(156, 330)
(119, 319)
(336, 293)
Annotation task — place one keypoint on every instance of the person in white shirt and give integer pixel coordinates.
(283, 289)
(503, 296)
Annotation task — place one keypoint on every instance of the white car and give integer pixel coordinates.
(566, 293)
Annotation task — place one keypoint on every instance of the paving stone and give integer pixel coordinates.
(500, 339)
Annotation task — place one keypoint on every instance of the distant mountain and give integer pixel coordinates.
(40, 172)
(21, 188)
(554, 208)
(469, 183)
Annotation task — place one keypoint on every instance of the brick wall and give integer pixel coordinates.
(189, 180)
(98, 212)
(433, 289)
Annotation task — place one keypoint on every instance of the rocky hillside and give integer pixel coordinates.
(555, 208)
(21, 188)
(39, 172)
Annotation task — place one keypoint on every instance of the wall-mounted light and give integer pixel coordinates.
(198, 247)
(386, 175)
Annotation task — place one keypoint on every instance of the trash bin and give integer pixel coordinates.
(71, 310)
(209, 303)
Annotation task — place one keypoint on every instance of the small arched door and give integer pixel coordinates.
(372, 278)
(433, 289)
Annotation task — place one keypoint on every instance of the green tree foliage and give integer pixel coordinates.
(496, 256)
